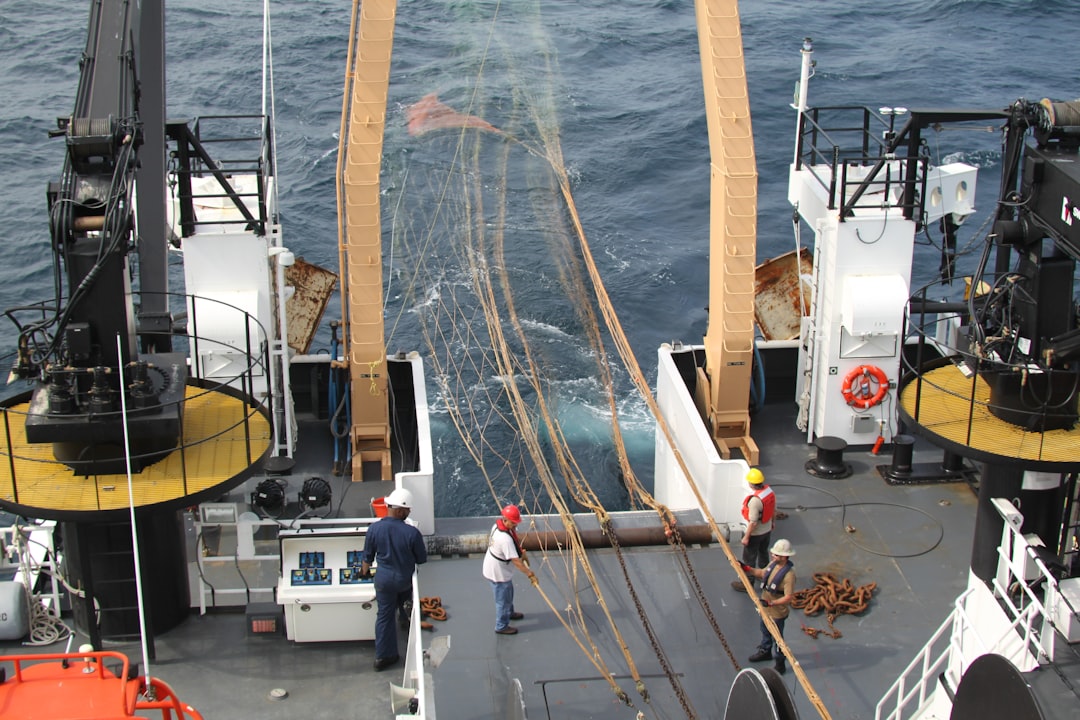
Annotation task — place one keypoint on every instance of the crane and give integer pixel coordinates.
(115, 140)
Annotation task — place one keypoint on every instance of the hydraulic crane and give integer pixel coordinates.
(82, 346)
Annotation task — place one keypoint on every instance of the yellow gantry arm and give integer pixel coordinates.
(724, 386)
(360, 229)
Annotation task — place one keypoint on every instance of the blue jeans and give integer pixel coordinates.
(767, 643)
(504, 602)
(390, 596)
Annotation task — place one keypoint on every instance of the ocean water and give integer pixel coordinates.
(614, 86)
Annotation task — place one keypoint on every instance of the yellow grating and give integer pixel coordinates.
(946, 409)
(215, 452)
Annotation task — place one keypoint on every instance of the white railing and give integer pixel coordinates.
(1019, 617)
(917, 683)
(245, 552)
(1029, 592)
(415, 698)
(28, 552)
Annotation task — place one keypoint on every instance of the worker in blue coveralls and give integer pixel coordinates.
(399, 548)
(777, 592)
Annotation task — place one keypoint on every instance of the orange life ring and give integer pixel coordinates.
(857, 388)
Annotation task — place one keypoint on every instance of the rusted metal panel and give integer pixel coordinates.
(304, 310)
(777, 297)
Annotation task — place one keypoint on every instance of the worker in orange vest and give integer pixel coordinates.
(759, 511)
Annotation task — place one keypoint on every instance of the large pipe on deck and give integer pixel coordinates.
(546, 532)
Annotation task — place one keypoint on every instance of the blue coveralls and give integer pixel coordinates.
(398, 548)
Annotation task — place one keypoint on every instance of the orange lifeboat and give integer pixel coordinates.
(79, 686)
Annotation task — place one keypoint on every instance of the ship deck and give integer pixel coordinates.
(914, 541)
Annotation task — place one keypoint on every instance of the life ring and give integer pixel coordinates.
(857, 389)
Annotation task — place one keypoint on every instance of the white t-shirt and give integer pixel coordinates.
(500, 548)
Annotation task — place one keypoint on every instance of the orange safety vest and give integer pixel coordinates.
(768, 504)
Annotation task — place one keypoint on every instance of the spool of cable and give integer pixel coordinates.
(315, 493)
(269, 495)
(1058, 119)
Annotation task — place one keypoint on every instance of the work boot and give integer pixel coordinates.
(780, 667)
(759, 655)
(738, 586)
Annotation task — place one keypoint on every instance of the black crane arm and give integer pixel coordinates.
(90, 207)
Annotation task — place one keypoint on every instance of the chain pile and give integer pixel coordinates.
(432, 607)
(833, 597)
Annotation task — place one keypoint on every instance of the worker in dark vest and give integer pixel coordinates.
(777, 592)
(759, 511)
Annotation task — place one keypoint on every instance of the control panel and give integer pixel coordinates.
(312, 569)
(350, 574)
(321, 588)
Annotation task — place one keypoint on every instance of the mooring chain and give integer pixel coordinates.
(833, 597)
(609, 532)
(675, 539)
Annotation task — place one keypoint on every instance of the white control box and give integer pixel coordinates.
(320, 588)
(1065, 617)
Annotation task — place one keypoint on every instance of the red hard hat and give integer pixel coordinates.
(511, 513)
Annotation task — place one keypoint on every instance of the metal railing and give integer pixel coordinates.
(226, 147)
(1027, 637)
(20, 460)
(918, 682)
(846, 150)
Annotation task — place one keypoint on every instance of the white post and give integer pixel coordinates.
(801, 91)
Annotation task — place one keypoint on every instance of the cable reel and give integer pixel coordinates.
(269, 495)
(315, 493)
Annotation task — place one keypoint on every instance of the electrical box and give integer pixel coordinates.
(873, 305)
(263, 618)
(1065, 615)
(320, 588)
(1023, 560)
(864, 424)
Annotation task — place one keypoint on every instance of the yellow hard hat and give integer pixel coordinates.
(754, 477)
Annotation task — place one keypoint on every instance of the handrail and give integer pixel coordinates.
(1030, 620)
(194, 160)
(158, 696)
(823, 146)
(925, 666)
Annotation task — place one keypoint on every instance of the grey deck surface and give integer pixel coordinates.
(558, 682)
(919, 561)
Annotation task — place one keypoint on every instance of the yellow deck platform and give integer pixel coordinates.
(948, 408)
(222, 437)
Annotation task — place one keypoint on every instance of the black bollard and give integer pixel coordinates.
(829, 462)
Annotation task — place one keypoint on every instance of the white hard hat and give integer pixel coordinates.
(400, 497)
(782, 547)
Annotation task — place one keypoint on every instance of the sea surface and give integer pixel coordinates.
(614, 85)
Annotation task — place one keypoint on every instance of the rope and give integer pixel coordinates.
(488, 372)
(45, 625)
(850, 529)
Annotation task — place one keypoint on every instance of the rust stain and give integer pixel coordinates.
(776, 295)
(304, 310)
